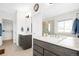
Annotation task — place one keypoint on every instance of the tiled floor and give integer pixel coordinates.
(12, 50)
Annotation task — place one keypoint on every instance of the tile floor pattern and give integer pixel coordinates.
(12, 50)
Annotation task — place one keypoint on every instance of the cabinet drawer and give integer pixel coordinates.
(35, 53)
(47, 53)
(40, 43)
(38, 48)
(61, 50)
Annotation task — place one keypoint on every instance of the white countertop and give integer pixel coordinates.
(72, 43)
(26, 33)
(68, 42)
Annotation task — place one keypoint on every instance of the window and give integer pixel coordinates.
(65, 26)
(49, 27)
(60, 26)
(68, 26)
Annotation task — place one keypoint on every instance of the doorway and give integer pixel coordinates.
(7, 27)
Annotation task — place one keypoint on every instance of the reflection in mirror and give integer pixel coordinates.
(48, 27)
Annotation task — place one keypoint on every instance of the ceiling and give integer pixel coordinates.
(54, 9)
(10, 7)
(8, 10)
(48, 10)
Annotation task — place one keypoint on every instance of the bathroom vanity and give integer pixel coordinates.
(55, 47)
(25, 41)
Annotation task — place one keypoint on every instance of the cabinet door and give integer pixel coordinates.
(62, 51)
(48, 53)
(35, 53)
(25, 41)
(38, 48)
(28, 39)
(40, 43)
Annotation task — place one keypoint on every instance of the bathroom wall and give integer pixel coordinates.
(15, 28)
(37, 18)
(22, 23)
(37, 25)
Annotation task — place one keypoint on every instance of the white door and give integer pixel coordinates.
(7, 27)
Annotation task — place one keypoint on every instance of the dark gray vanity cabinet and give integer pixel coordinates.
(41, 48)
(25, 41)
(37, 50)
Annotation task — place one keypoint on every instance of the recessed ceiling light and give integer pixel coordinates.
(50, 3)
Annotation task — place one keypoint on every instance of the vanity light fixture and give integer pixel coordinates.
(49, 4)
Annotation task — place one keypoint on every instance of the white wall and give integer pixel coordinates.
(15, 28)
(37, 21)
(37, 25)
(7, 15)
(0, 20)
(24, 22)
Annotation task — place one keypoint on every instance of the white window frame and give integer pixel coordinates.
(64, 28)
